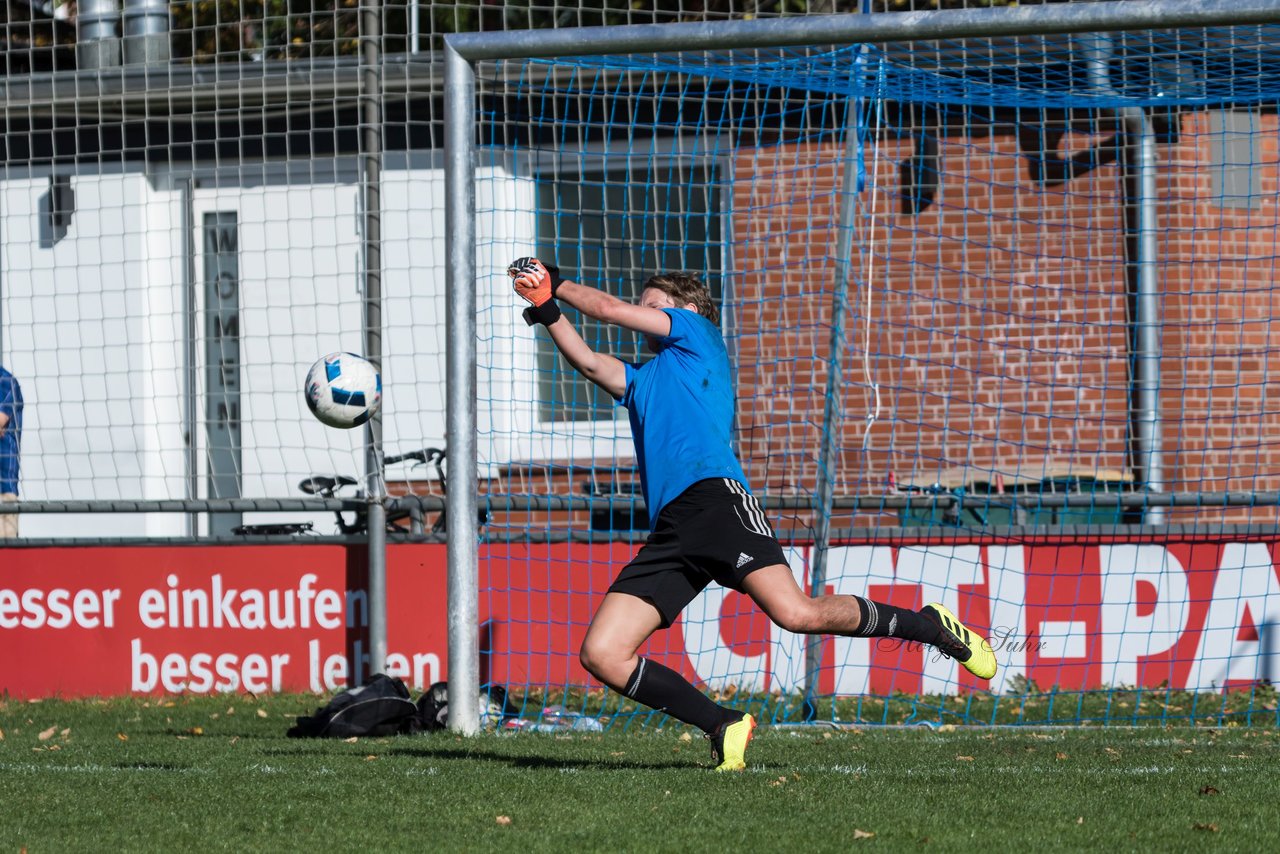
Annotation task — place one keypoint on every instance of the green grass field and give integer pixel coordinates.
(218, 773)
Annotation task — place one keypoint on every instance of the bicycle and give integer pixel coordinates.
(329, 486)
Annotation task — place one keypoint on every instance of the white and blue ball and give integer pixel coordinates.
(343, 390)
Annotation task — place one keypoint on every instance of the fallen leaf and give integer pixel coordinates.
(122, 736)
(234, 739)
(47, 734)
(66, 733)
(1, 735)
(685, 737)
(1209, 790)
(352, 740)
(262, 713)
(947, 728)
(964, 758)
(504, 820)
(1212, 828)
(1059, 756)
(196, 730)
(370, 758)
(1080, 820)
(863, 834)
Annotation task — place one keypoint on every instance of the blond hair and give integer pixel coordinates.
(684, 287)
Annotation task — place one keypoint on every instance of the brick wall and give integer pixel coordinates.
(997, 321)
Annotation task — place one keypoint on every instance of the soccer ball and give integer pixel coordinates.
(343, 390)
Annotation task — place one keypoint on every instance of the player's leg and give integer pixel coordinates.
(8, 521)
(775, 590)
(610, 653)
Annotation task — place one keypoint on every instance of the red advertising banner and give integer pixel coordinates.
(165, 619)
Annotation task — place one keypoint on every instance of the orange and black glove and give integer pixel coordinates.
(537, 283)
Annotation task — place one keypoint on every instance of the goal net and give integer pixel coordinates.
(1000, 315)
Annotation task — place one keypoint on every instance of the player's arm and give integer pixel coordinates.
(602, 369)
(609, 309)
(540, 284)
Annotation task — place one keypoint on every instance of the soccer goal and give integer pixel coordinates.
(998, 289)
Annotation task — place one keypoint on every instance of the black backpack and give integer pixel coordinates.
(381, 707)
(433, 706)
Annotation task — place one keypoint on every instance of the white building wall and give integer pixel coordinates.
(95, 330)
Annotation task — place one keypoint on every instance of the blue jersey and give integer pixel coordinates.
(681, 408)
(11, 439)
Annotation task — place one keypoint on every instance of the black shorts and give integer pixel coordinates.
(714, 531)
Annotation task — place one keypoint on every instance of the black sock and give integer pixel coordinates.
(885, 621)
(664, 690)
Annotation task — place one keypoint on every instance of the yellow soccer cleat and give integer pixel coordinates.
(966, 647)
(729, 744)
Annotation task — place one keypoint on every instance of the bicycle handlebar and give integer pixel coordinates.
(425, 455)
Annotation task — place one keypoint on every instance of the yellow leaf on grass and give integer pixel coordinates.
(964, 758)
(863, 834)
(47, 734)
(122, 736)
(262, 713)
(504, 820)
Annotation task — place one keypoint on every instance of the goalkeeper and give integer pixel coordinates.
(706, 524)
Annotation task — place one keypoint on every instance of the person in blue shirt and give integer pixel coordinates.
(10, 446)
(706, 524)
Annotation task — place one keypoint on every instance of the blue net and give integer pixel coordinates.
(929, 259)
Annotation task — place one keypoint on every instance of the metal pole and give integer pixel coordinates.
(460, 371)
(371, 159)
(190, 383)
(1149, 463)
(1144, 356)
(853, 29)
(415, 26)
(832, 413)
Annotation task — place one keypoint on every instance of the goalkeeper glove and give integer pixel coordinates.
(537, 283)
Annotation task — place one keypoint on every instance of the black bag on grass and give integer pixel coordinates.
(433, 706)
(381, 707)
